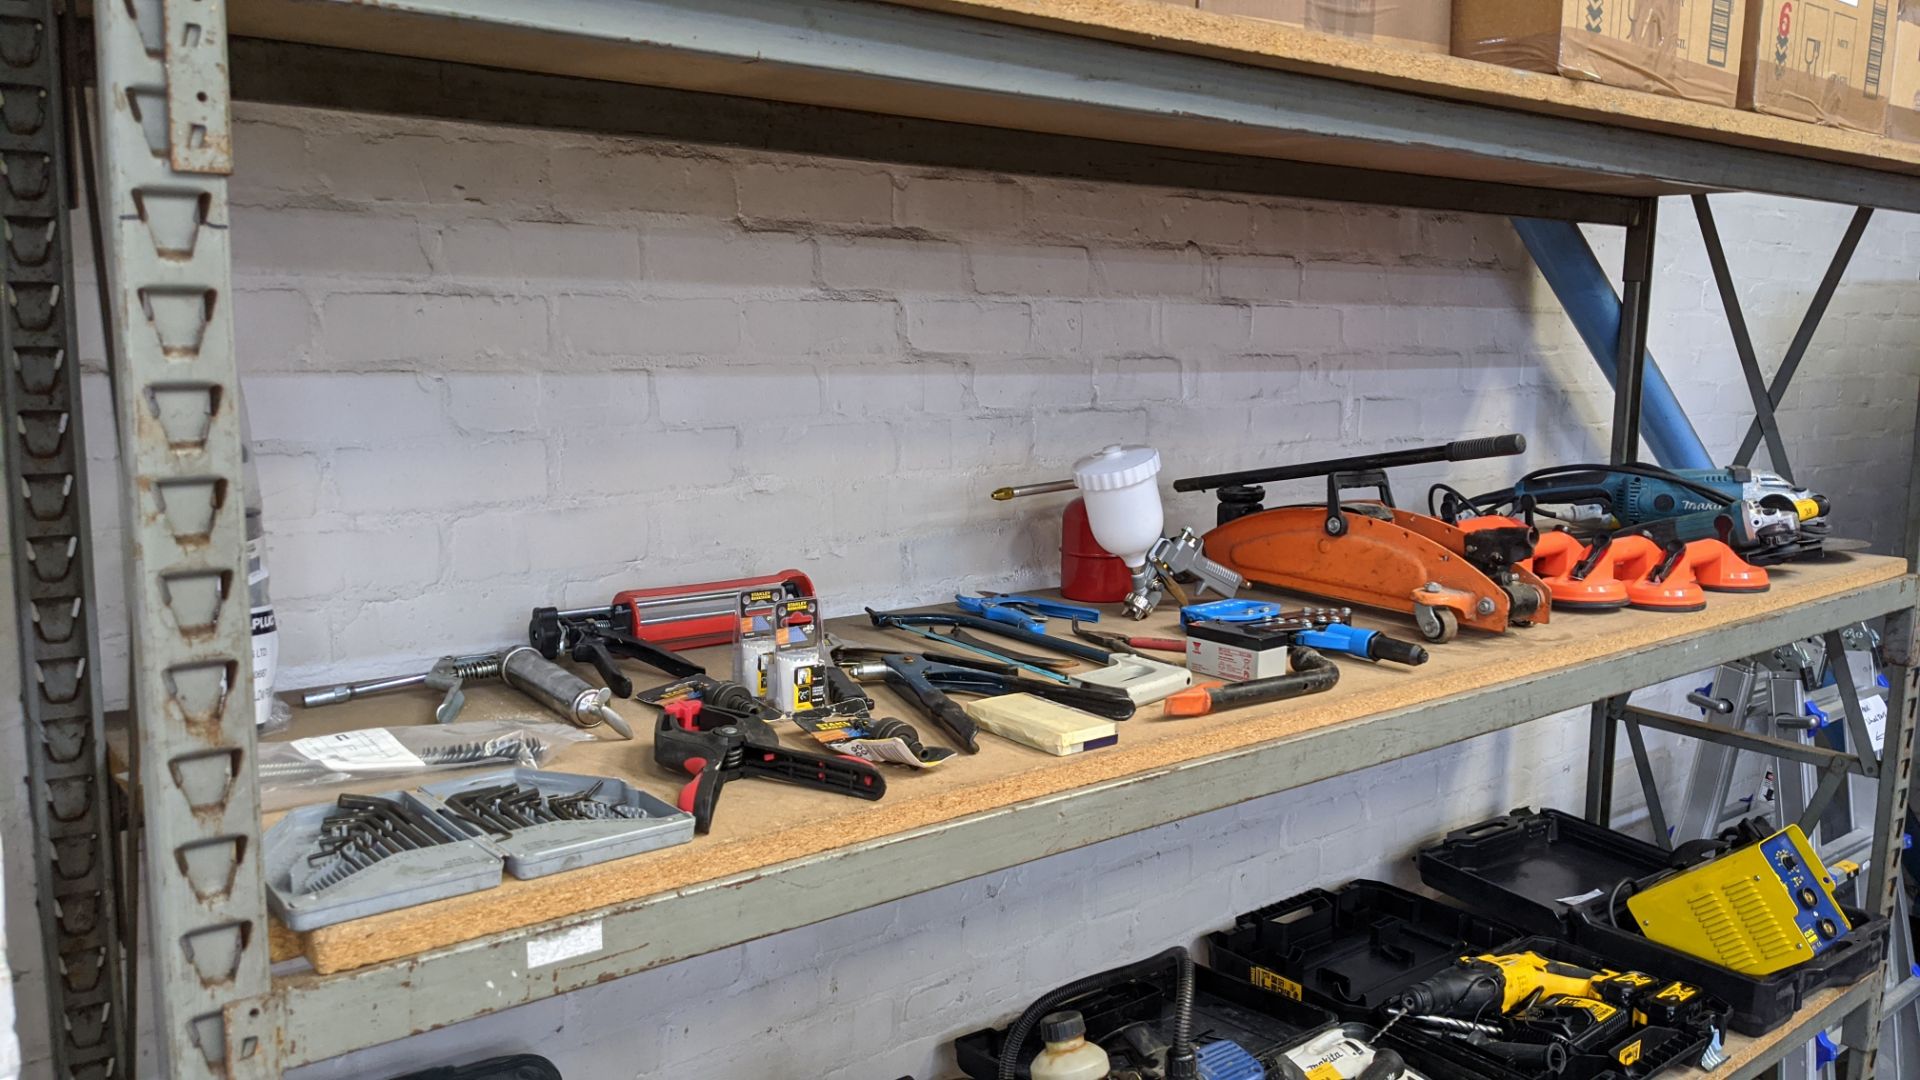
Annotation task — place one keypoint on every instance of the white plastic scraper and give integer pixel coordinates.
(1145, 681)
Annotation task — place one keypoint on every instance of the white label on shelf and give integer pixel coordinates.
(1874, 711)
(358, 751)
(1576, 901)
(563, 944)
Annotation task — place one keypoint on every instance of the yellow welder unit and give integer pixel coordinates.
(1758, 910)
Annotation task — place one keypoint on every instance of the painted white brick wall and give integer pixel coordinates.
(490, 368)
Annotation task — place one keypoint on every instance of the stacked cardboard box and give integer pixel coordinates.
(1903, 95)
(1412, 24)
(1683, 48)
(1821, 61)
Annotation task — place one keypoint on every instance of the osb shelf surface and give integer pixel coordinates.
(1156, 25)
(760, 824)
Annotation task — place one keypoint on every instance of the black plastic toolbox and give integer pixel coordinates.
(1353, 948)
(1350, 949)
(1223, 1008)
(517, 1067)
(1558, 874)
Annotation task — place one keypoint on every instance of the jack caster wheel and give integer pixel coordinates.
(1437, 624)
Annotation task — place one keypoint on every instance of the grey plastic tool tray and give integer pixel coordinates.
(539, 850)
(411, 877)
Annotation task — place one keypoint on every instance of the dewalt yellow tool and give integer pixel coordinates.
(1757, 910)
(1483, 985)
(1532, 1011)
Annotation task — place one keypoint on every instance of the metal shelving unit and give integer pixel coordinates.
(791, 75)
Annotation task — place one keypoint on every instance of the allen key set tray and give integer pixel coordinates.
(544, 822)
(367, 854)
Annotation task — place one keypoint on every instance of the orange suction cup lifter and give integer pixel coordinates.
(1718, 569)
(1657, 577)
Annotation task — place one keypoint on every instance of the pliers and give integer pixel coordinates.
(1026, 612)
(1114, 641)
(717, 732)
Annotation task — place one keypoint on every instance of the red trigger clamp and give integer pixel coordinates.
(718, 732)
(684, 712)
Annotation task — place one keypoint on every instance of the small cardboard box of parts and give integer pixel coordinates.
(1411, 24)
(1903, 95)
(1821, 61)
(1681, 48)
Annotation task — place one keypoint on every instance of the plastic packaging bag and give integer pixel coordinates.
(300, 770)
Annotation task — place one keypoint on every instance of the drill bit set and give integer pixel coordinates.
(365, 854)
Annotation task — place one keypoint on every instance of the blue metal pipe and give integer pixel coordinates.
(1568, 263)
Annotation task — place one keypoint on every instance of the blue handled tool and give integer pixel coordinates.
(1229, 611)
(1025, 612)
(1367, 644)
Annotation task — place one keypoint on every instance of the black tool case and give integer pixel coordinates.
(1350, 949)
(1353, 949)
(1558, 874)
(1262, 1023)
(517, 1067)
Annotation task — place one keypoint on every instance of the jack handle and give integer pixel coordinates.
(1461, 450)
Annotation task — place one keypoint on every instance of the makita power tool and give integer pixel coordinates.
(1761, 515)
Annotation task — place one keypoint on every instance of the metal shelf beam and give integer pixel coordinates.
(862, 56)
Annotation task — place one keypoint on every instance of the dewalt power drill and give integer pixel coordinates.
(1534, 1011)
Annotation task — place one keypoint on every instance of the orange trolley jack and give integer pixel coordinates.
(1376, 555)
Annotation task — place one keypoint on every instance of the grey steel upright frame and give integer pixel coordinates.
(69, 785)
(1075, 95)
(1892, 770)
(166, 143)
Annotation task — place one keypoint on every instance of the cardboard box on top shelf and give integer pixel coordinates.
(1821, 61)
(1423, 25)
(1681, 48)
(1903, 57)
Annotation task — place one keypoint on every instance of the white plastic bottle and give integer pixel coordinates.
(1068, 1056)
(269, 712)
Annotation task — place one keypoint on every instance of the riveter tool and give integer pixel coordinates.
(718, 732)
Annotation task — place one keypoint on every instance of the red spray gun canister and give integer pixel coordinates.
(1089, 573)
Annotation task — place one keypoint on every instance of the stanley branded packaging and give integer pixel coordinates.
(1410, 24)
(1903, 84)
(1682, 48)
(1821, 61)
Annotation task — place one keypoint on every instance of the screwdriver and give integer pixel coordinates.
(1311, 674)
